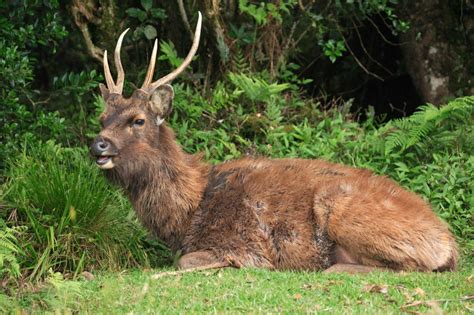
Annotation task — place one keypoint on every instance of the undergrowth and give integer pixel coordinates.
(73, 220)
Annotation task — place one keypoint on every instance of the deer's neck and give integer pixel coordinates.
(166, 188)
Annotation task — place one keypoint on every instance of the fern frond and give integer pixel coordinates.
(257, 89)
(9, 250)
(240, 63)
(428, 121)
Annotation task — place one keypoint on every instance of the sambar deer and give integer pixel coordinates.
(273, 213)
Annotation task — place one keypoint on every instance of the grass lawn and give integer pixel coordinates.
(252, 291)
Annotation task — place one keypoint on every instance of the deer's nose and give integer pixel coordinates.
(100, 146)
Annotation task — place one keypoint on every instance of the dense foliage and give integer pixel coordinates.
(73, 219)
(246, 97)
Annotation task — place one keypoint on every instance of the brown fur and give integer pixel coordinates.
(279, 214)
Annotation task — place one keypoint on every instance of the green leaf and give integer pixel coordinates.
(150, 32)
(158, 13)
(146, 4)
(137, 13)
(168, 52)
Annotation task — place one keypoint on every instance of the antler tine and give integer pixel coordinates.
(108, 75)
(186, 62)
(118, 63)
(151, 67)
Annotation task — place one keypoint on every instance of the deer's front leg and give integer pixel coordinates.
(201, 260)
(194, 261)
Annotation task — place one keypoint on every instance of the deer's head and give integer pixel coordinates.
(131, 126)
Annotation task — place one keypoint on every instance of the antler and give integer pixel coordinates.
(115, 88)
(150, 87)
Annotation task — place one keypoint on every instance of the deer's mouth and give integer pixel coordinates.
(105, 162)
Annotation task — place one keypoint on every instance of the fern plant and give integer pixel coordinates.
(9, 251)
(240, 62)
(257, 90)
(412, 131)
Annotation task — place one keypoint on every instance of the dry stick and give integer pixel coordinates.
(418, 303)
(35, 103)
(184, 17)
(94, 51)
(296, 44)
(309, 65)
(290, 43)
(365, 50)
(180, 272)
(381, 18)
(208, 72)
(388, 26)
(380, 32)
(286, 45)
(304, 10)
(300, 38)
(352, 90)
(356, 59)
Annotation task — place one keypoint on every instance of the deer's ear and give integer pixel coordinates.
(161, 101)
(104, 91)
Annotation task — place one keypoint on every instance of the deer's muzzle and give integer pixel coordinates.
(104, 151)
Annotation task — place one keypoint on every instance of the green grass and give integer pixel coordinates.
(253, 291)
(72, 219)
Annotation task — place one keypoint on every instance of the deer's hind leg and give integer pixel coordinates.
(379, 224)
(343, 262)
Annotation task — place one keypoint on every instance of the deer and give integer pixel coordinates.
(280, 214)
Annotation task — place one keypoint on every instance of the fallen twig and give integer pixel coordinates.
(180, 272)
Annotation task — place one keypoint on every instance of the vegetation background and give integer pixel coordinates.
(381, 84)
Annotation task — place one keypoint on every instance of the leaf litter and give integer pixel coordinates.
(413, 298)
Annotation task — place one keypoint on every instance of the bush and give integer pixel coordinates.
(24, 27)
(75, 220)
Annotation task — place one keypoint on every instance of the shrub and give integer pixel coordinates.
(75, 220)
(24, 27)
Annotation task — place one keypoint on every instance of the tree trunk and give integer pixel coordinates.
(437, 50)
(102, 14)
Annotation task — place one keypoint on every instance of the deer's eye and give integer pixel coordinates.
(138, 122)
